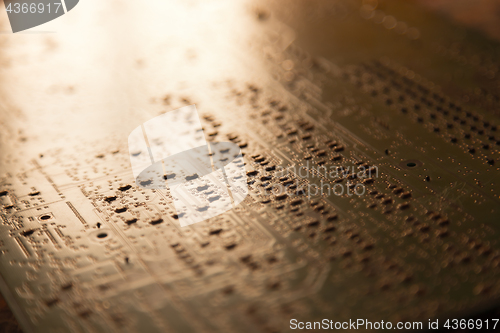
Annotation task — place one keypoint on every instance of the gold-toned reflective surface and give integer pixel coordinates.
(405, 101)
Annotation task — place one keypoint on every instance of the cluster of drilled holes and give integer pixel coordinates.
(439, 108)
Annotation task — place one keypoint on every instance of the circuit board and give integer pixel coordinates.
(377, 120)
